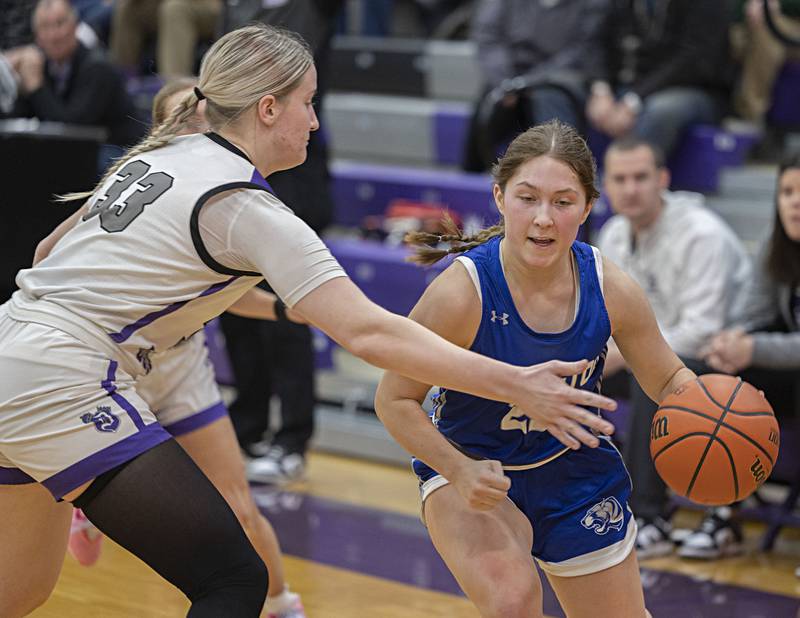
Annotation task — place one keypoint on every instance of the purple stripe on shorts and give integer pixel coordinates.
(102, 461)
(127, 331)
(14, 476)
(111, 389)
(198, 420)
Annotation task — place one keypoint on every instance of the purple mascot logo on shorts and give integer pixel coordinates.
(103, 419)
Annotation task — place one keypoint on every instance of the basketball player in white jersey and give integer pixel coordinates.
(179, 229)
(182, 392)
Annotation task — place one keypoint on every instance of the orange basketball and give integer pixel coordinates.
(714, 440)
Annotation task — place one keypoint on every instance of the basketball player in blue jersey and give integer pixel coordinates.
(177, 231)
(501, 484)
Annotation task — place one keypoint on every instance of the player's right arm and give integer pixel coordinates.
(398, 399)
(655, 366)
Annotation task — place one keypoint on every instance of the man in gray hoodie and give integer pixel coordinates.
(691, 265)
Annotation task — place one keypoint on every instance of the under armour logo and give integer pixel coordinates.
(503, 318)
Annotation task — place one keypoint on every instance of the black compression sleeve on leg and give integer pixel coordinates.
(162, 508)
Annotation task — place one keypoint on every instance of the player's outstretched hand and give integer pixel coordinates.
(481, 483)
(553, 405)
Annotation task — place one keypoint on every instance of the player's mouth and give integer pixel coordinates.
(541, 242)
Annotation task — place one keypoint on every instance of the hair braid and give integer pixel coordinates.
(158, 136)
(427, 255)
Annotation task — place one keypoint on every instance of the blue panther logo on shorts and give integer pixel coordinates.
(103, 419)
(604, 516)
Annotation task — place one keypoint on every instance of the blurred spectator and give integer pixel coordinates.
(765, 347)
(690, 265)
(668, 66)
(278, 357)
(178, 26)
(15, 23)
(96, 14)
(60, 80)
(761, 53)
(524, 39)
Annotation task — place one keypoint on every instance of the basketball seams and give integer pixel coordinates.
(709, 395)
(733, 467)
(732, 428)
(716, 430)
(680, 439)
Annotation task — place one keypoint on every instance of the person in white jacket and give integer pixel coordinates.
(691, 265)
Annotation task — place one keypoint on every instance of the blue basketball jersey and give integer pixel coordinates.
(494, 429)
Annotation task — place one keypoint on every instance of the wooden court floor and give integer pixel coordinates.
(120, 586)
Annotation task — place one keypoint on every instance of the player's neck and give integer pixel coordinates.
(530, 279)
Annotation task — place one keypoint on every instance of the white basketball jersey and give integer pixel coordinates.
(135, 275)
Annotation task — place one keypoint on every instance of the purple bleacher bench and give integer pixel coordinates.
(363, 189)
(383, 273)
(700, 157)
(785, 110)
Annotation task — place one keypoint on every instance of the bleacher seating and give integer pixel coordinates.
(785, 110)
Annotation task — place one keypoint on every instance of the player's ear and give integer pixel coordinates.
(497, 191)
(268, 109)
(587, 210)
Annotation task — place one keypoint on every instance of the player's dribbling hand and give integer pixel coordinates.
(554, 406)
(481, 483)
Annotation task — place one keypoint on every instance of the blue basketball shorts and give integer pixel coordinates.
(577, 505)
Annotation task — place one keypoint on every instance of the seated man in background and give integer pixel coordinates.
(60, 80)
(667, 66)
(691, 265)
(559, 43)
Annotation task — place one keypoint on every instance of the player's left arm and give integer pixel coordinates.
(655, 366)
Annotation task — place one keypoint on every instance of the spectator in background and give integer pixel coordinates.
(178, 26)
(667, 67)
(61, 80)
(762, 54)
(764, 348)
(556, 41)
(96, 14)
(15, 23)
(690, 264)
(278, 357)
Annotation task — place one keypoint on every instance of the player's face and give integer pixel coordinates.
(634, 184)
(789, 202)
(297, 120)
(543, 206)
(55, 32)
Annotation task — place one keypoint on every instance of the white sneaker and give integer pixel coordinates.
(652, 539)
(718, 536)
(276, 467)
(285, 605)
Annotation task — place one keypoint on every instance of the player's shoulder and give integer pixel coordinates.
(619, 288)
(451, 304)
